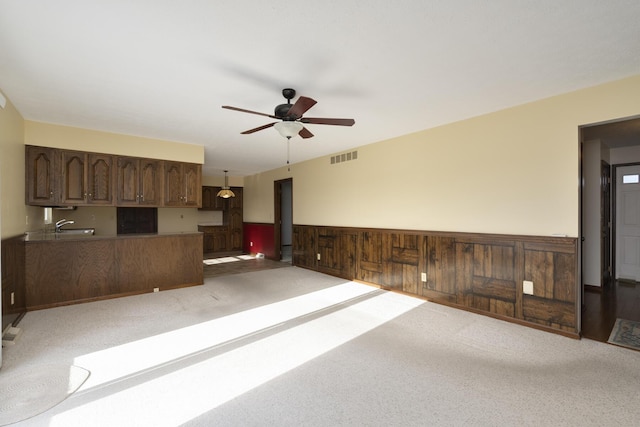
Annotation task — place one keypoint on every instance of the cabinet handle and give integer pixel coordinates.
(142, 197)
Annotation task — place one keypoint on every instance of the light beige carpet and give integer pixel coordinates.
(32, 390)
(293, 347)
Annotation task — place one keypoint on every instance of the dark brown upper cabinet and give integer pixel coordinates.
(42, 176)
(139, 182)
(211, 201)
(183, 184)
(87, 178)
(57, 177)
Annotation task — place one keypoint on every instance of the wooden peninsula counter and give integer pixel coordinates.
(62, 270)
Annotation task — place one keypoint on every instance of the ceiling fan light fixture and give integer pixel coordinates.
(288, 128)
(226, 192)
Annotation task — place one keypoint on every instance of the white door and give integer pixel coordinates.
(628, 223)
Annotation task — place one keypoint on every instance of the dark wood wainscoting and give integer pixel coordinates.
(479, 272)
(13, 280)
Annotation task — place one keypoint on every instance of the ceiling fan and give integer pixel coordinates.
(291, 116)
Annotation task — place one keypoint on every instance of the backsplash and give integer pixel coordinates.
(210, 218)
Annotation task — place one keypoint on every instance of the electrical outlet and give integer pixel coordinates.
(527, 287)
(156, 289)
(318, 257)
(27, 220)
(250, 243)
(423, 277)
(13, 298)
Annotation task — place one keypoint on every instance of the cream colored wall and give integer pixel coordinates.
(514, 171)
(49, 135)
(16, 217)
(218, 181)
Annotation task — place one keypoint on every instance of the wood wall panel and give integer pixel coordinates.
(483, 273)
(440, 265)
(62, 271)
(304, 247)
(13, 279)
(370, 261)
(401, 261)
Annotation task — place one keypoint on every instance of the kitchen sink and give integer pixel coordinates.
(76, 231)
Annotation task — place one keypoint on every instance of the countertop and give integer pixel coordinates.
(40, 236)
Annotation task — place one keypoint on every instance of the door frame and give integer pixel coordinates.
(277, 216)
(606, 223)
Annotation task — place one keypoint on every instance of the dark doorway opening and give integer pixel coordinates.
(603, 303)
(283, 219)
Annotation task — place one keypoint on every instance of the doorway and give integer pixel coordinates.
(608, 214)
(283, 219)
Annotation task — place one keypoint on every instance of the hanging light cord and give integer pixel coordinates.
(288, 151)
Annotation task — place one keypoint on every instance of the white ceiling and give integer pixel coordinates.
(162, 69)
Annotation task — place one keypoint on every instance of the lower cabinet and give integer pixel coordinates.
(62, 272)
(215, 238)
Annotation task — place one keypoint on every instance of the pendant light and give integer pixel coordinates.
(225, 193)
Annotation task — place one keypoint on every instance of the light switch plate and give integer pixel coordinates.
(527, 287)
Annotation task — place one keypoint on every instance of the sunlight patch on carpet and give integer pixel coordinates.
(226, 259)
(33, 390)
(222, 376)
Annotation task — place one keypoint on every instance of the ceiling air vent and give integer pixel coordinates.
(344, 157)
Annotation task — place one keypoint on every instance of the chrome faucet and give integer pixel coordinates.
(61, 223)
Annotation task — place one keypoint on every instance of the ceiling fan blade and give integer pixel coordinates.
(304, 133)
(247, 132)
(327, 121)
(248, 111)
(300, 107)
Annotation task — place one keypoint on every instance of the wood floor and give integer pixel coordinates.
(239, 265)
(620, 299)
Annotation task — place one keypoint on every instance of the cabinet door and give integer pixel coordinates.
(235, 229)
(183, 186)
(74, 177)
(236, 202)
(220, 241)
(207, 242)
(151, 174)
(173, 188)
(127, 181)
(192, 176)
(100, 179)
(208, 197)
(41, 170)
(219, 203)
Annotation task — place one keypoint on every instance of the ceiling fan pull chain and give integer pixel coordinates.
(288, 151)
